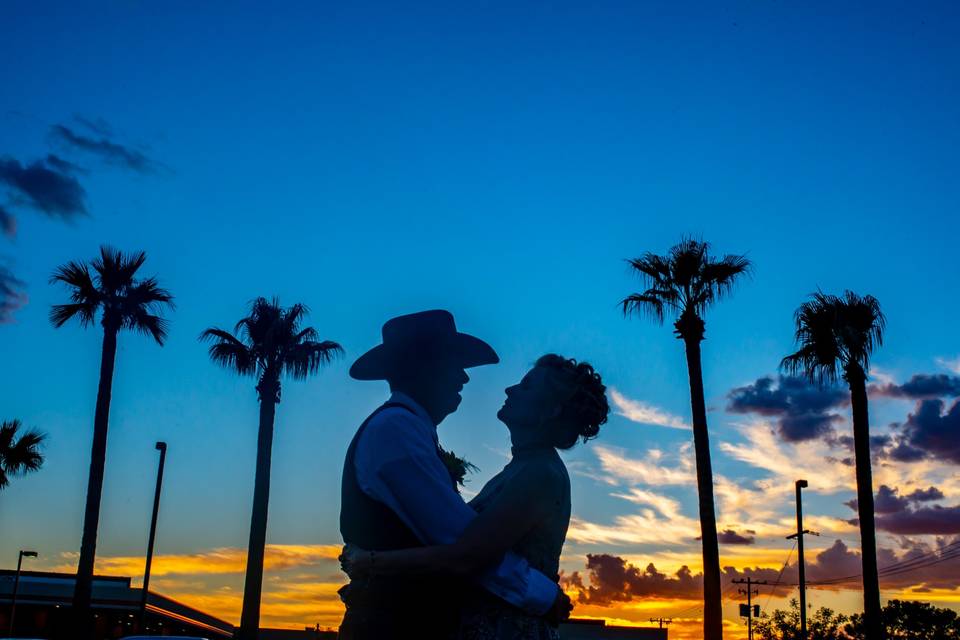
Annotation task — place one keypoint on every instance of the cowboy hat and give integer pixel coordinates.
(409, 339)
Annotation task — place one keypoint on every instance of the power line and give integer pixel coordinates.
(779, 575)
(927, 559)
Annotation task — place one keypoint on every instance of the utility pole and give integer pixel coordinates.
(750, 591)
(162, 448)
(16, 586)
(661, 621)
(801, 484)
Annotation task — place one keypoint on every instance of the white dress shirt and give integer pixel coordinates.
(397, 464)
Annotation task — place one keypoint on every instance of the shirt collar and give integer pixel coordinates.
(401, 398)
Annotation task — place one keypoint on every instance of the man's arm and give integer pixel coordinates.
(397, 464)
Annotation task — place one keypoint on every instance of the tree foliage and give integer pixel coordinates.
(113, 288)
(903, 620)
(18, 455)
(270, 343)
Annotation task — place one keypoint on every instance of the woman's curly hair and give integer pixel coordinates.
(586, 406)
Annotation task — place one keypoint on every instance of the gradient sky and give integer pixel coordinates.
(499, 160)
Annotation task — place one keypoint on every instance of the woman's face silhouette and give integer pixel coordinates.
(531, 404)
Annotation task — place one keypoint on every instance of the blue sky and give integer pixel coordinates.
(496, 159)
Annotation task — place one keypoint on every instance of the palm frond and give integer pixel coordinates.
(721, 275)
(653, 269)
(686, 278)
(18, 455)
(229, 352)
(306, 358)
(807, 362)
(149, 294)
(686, 262)
(835, 334)
(60, 314)
(258, 327)
(643, 304)
(115, 269)
(862, 327)
(147, 324)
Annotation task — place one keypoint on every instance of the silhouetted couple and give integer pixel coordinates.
(422, 562)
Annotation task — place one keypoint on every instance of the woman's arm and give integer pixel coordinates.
(520, 505)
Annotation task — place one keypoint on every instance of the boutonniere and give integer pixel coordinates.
(457, 467)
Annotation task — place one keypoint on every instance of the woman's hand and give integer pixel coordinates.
(355, 561)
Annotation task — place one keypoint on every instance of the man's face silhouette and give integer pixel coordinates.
(435, 384)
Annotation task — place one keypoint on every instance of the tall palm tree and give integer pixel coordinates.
(124, 302)
(684, 283)
(836, 336)
(269, 343)
(18, 455)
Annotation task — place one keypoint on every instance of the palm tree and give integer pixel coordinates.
(269, 343)
(836, 336)
(18, 455)
(685, 282)
(124, 302)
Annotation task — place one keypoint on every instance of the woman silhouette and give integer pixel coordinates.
(524, 508)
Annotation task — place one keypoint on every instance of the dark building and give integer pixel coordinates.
(43, 601)
(598, 630)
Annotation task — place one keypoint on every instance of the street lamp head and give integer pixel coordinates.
(29, 554)
(802, 484)
(161, 446)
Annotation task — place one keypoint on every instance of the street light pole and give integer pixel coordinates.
(801, 484)
(162, 448)
(16, 586)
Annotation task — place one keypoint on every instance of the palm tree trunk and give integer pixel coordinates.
(712, 606)
(98, 456)
(250, 616)
(868, 535)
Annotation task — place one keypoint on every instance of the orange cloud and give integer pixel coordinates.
(214, 561)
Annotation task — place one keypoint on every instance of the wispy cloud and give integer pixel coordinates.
(643, 413)
(655, 468)
(787, 461)
(12, 296)
(951, 364)
(214, 561)
(8, 223)
(44, 185)
(108, 150)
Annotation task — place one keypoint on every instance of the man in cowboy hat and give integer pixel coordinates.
(397, 493)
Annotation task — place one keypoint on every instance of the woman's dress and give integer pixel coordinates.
(486, 617)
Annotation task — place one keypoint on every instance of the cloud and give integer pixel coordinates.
(951, 364)
(655, 468)
(932, 431)
(926, 495)
(8, 223)
(933, 520)
(104, 148)
(644, 413)
(803, 410)
(223, 560)
(921, 386)
(660, 523)
(97, 125)
(44, 186)
(611, 579)
(12, 296)
(729, 536)
(889, 500)
(788, 461)
(905, 515)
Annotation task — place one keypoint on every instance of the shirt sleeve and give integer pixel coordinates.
(397, 464)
